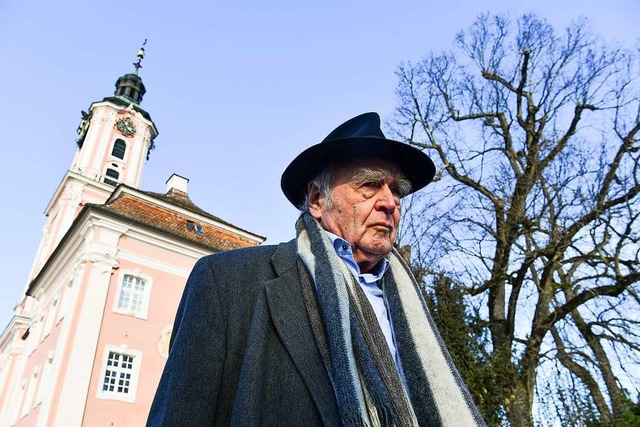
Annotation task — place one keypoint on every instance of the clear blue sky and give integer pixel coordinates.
(236, 88)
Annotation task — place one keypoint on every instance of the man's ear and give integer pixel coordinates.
(315, 201)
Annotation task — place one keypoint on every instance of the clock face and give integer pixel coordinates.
(126, 127)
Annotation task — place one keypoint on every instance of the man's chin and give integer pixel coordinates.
(372, 254)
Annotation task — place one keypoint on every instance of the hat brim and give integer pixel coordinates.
(414, 164)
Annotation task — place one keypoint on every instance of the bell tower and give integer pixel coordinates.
(115, 138)
(116, 135)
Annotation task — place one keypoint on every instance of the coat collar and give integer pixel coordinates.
(284, 258)
(289, 315)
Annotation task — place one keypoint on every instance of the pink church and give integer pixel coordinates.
(88, 342)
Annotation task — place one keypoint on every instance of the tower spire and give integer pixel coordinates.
(138, 64)
(130, 86)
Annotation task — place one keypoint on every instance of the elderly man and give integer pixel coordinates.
(328, 329)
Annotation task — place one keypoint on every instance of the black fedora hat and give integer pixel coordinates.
(359, 137)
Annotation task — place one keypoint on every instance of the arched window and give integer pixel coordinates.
(111, 173)
(119, 147)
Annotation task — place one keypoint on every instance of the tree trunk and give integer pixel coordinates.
(519, 408)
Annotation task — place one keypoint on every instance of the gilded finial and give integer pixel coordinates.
(138, 64)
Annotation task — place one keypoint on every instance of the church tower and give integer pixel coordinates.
(88, 340)
(115, 138)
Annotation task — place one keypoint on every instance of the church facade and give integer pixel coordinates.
(87, 344)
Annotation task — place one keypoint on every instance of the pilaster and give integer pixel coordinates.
(100, 261)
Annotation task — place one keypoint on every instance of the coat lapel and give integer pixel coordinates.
(289, 315)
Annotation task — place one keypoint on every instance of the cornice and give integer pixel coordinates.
(128, 108)
(16, 326)
(69, 175)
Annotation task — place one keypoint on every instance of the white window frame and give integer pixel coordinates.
(17, 404)
(51, 316)
(126, 151)
(117, 168)
(136, 355)
(144, 307)
(66, 300)
(29, 394)
(45, 381)
(35, 334)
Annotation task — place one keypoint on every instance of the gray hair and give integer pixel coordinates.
(324, 182)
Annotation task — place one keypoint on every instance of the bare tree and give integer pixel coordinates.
(535, 208)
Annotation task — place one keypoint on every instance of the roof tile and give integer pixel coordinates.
(173, 222)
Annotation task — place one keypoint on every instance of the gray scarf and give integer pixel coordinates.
(367, 386)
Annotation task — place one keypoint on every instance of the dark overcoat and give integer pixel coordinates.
(242, 351)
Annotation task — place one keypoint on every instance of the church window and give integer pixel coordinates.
(133, 296)
(15, 400)
(117, 376)
(27, 404)
(120, 374)
(66, 298)
(45, 381)
(51, 316)
(35, 335)
(119, 148)
(111, 177)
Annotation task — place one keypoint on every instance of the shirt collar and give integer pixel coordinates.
(344, 251)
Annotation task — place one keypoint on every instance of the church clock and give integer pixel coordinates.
(126, 127)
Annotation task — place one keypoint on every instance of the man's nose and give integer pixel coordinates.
(387, 201)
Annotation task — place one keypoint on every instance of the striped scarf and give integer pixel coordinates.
(367, 386)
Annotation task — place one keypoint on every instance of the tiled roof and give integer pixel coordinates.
(133, 209)
(172, 222)
(180, 198)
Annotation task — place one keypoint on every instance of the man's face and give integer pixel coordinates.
(365, 208)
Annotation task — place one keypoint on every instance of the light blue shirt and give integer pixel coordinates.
(369, 284)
